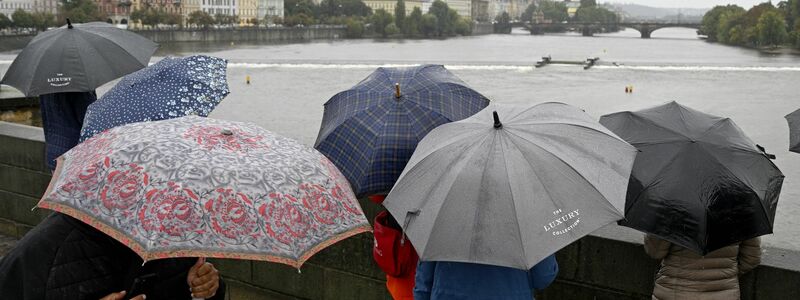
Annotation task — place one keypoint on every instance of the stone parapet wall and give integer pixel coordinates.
(609, 264)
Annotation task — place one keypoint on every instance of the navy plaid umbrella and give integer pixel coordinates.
(371, 130)
(171, 88)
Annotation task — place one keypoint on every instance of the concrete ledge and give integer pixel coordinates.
(609, 264)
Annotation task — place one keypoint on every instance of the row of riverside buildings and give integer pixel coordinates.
(248, 11)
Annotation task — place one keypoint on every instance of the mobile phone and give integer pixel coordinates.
(142, 285)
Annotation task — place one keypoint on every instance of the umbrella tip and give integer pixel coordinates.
(497, 124)
(397, 90)
(226, 132)
(69, 24)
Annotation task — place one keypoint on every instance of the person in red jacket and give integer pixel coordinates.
(394, 254)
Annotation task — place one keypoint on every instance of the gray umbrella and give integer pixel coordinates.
(77, 58)
(794, 131)
(510, 191)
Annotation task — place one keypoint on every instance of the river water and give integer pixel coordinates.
(291, 82)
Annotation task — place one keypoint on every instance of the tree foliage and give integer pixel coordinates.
(413, 22)
(711, 20)
(5, 22)
(81, 11)
(502, 23)
(199, 18)
(22, 19)
(380, 20)
(400, 15)
(771, 29)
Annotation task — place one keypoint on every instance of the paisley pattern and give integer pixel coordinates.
(195, 186)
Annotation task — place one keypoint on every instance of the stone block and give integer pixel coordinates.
(564, 290)
(237, 290)
(17, 208)
(352, 255)
(285, 279)
(616, 265)
(23, 153)
(775, 283)
(23, 181)
(568, 261)
(8, 228)
(234, 268)
(342, 285)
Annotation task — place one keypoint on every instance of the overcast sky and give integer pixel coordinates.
(690, 3)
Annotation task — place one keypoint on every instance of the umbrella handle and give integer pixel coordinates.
(409, 214)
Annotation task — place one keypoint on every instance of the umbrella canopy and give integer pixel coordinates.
(77, 58)
(371, 130)
(698, 181)
(201, 187)
(794, 131)
(513, 189)
(173, 87)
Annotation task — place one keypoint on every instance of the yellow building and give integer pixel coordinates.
(248, 12)
(390, 5)
(188, 7)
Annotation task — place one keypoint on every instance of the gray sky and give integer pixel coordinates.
(690, 3)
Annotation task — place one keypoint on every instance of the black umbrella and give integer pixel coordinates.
(77, 58)
(698, 180)
(794, 131)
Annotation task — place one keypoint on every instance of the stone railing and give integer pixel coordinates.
(609, 264)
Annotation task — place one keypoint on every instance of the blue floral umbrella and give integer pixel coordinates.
(371, 130)
(173, 87)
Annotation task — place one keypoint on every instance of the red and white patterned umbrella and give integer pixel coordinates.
(200, 187)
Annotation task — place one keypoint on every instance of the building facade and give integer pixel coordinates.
(117, 11)
(248, 12)
(220, 7)
(48, 6)
(269, 10)
(480, 10)
(389, 5)
(7, 7)
(463, 7)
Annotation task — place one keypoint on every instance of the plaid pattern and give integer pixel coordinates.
(62, 118)
(370, 135)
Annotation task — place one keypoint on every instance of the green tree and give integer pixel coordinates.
(588, 3)
(355, 28)
(711, 20)
(400, 15)
(413, 22)
(43, 20)
(380, 19)
(81, 11)
(771, 29)
(463, 26)
(5, 22)
(22, 19)
(427, 25)
(199, 18)
(595, 14)
(391, 29)
(502, 23)
(296, 7)
(527, 15)
(172, 19)
(442, 12)
(555, 11)
(726, 22)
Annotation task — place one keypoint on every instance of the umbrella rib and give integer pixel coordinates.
(565, 163)
(514, 204)
(122, 48)
(610, 133)
(40, 55)
(483, 176)
(650, 184)
(659, 125)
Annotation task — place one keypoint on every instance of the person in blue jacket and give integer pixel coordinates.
(62, 119)
(437, 280)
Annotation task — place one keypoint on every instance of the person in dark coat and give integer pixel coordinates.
(439, 280)
(64, 258)
(62, 120)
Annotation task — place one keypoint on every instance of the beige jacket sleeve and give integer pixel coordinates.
(656, 247)
(749, 254)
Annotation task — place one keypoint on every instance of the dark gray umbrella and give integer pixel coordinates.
(77, 58)
(698, 181)
(794, 131)
(513, 188)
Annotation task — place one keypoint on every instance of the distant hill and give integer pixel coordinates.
(643, 12)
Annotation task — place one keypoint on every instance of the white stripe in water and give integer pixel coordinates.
(511, 67)
(504, 67)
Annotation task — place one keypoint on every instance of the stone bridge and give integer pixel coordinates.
(589, 29)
